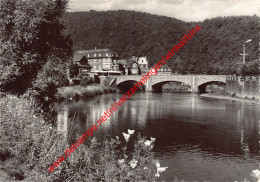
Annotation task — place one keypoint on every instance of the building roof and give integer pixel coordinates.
(98, 53)
(77, 57)
(130, 62)
(95, 51)
(122, 61)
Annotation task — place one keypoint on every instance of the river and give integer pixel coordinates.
(198, 139)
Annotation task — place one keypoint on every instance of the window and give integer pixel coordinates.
(94, 61)
(88, 55)
(106, 54)
(95, 67)
(99, 54)
(95, 55)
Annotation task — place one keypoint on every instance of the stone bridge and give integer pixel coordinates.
(197, 83)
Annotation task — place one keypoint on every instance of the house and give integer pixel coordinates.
(164, 70)
(133, 67)
(122, 64)
(102, 61)
(143, 64)
(82, 62)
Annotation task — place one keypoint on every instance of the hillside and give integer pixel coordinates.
(214, 50)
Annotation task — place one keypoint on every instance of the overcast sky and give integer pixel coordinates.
(186, 10)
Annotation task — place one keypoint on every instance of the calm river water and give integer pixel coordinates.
(199, 139)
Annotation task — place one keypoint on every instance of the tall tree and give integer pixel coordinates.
(31, 33)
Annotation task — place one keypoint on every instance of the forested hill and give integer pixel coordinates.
(214, 50)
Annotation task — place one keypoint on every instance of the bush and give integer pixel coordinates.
(28, 146)
(50, 78)
(25, 138)
(86, 80)
(115, 161)
(83, 92)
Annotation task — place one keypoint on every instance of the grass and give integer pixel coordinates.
(78, 91)
(29, 146)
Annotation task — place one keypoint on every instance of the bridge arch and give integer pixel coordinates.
(121, 79)
(157, 87)
(202, 81)
(126, 85)
(202, 87)
(158, 81)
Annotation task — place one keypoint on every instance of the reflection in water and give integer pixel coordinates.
(197, 138)
(62, 121)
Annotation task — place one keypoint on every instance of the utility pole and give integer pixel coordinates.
(244, 51)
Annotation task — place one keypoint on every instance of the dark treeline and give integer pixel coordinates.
(214, 50)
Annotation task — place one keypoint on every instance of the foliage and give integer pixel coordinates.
(73, 70)
(215, 49)
(249, 69)
(30, 33)
(96, 79)
(86, 80)
(112, 161)
(81, 91)
(25, 138)
(51, 77)
(121, 68)
(28, 145)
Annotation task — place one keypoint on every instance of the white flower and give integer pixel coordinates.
(117, 137)
(157, 164)
(121, 161)
(161, 169)
(133, 163)
(157, 175)
(256, 173)
(152, 139)
(148, 143)
(131, 132)
(145, 168)
(126, 136)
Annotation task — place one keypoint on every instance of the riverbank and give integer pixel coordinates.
(29, 146)
(229, 97)
(75, 92)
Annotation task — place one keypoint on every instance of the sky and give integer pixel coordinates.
(186, 10)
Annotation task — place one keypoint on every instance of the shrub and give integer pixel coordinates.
(25, 138)
(86, 80)
(233, 95)
(28, 146)
(115, 161)
(83, 92)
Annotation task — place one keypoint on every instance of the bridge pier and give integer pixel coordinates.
(194, 89)
(148, 87)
